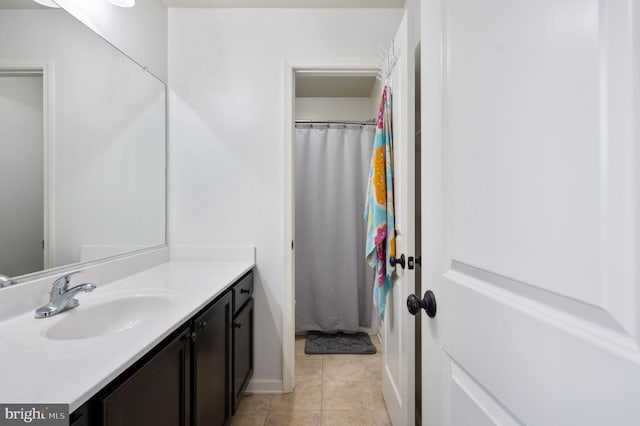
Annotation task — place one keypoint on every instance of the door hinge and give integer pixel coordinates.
(291, 244)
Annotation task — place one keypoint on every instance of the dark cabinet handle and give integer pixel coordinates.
(189, 337)
(202, 325)
(393, 261)
(428, 303)
(244, 291)
(237, 325)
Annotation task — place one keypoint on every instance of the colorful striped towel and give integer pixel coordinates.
(379, 214)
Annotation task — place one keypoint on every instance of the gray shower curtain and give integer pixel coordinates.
(334, 284)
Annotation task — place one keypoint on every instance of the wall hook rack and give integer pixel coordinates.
(386, 59)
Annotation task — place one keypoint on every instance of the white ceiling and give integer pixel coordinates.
(315, 4)
(20, 4)
(333, 87)
(309, 4)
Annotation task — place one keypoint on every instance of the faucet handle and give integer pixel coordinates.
(62, 283)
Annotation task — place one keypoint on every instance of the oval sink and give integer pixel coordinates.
(109, 317)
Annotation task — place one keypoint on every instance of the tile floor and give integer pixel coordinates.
(330, 390)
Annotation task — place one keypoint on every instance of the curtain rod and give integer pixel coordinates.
(334, 122)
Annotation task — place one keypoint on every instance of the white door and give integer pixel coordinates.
(398, 326)
(21, 174)
(531, 211)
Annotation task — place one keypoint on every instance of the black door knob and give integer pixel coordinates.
(428, 303)
(393, 261)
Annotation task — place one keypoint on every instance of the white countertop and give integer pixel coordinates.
(35, 369)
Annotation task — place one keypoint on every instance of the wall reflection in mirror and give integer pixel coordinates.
(82, 144)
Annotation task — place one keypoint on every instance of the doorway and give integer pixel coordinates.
(398, 327)
(332, 131)
(24, 138)
(334, 136)
(310, 108)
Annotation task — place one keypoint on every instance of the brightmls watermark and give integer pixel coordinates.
(34, 414)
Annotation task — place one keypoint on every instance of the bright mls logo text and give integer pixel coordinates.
(31, 414)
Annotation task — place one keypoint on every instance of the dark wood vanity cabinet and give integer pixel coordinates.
(195, 377)
(157, 393)
(242, 348)
(212, 364)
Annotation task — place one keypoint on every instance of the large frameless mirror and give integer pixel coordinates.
(82, 144)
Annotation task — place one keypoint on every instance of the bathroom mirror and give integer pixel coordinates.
(82, 144)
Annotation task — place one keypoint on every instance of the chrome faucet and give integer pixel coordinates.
(6, 281)
(61, 296)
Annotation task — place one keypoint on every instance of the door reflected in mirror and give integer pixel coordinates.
(82, 142)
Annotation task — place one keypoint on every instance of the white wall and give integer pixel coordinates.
(226, 72)
(140, 31)
(374, 98)
(108, 142)
(333, 109)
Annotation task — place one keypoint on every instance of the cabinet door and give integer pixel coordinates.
(157, 393)
(212, 364)
(81, 417)
(242, 351)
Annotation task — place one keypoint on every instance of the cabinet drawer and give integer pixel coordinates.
(242, 291)
(242, 351)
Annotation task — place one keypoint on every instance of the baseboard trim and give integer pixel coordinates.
(265, 386)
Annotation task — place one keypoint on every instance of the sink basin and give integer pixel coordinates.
(109, 317)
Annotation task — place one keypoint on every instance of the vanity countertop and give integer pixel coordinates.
(36, 369)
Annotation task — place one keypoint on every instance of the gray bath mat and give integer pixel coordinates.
(318, 343)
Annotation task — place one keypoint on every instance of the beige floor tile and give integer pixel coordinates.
(254, 402)
(293, 418)
(373, 367)
(378, 352)
(372, 358)
(347, 395)
(308, 369)
(300, 342)
(355, 418)
(307, 396)
(376, 342)
(321, 385)
(352, 369)
(377, 400)
(249, 418)
(348, 357)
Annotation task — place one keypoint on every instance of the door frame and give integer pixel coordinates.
(316, 67)
(432, 81)
(46, 69)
